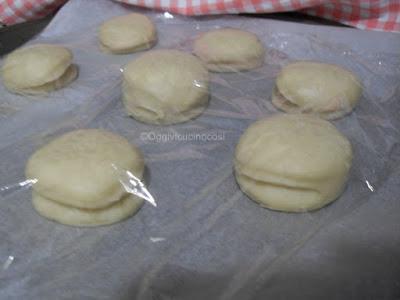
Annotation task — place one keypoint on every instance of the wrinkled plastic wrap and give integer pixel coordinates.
(205, 239)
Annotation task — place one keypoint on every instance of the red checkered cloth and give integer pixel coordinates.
(365, 14)
(18, 11)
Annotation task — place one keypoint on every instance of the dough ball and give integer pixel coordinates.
(292, 163)
(38, 69)
(326, 90)
(165, 87)
(74, 216)
(127, 34)
(83, 168)
(229, 50)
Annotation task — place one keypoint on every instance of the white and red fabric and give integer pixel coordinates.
(365, 14)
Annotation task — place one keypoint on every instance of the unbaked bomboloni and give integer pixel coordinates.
(127, 34)
(292, 163)
(229, 50)
(77, 178)
(38, 69)
(165, 87)
(326, 90)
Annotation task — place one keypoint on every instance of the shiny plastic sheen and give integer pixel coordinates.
(205, 238)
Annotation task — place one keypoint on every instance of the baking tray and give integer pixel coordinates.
(205, 238)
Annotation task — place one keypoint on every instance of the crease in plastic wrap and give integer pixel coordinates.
(202, 236)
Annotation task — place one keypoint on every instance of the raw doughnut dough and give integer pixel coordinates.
(326, 90)
(70, 215)
(229, 50)
(78, 174)
(127, 34)
(292, 163)
(165, 87)
(38, 69)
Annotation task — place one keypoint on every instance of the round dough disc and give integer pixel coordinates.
(165, 87)
(327, 90)
(73, 216)
(229, 50)
(35, 66)
(292, 163)
(127, 34)
(83, 168)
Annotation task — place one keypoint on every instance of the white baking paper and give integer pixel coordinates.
(205, 239)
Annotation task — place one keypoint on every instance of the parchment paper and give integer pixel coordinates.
(205, 239)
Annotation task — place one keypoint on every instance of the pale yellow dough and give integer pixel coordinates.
(326, 90)
(79, 178)
(38, 69)
(82, 168)
(292, 163)
(127, 34)
(165, 87)
(69, 215)
(70, 75)
(229, 50)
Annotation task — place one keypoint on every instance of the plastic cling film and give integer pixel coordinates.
(87, 177)
(327, 90)
(134, 185)
(165, 87)
(204, 231)
(131, 184)
(8, 189)
(38, 69)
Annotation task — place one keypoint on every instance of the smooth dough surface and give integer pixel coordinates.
(127, 34)
(292, 163)
(74, 216)
(326, 90)
(229, 50)
(70, 75)
(39, 68)
(83, 168)
(165, 87)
